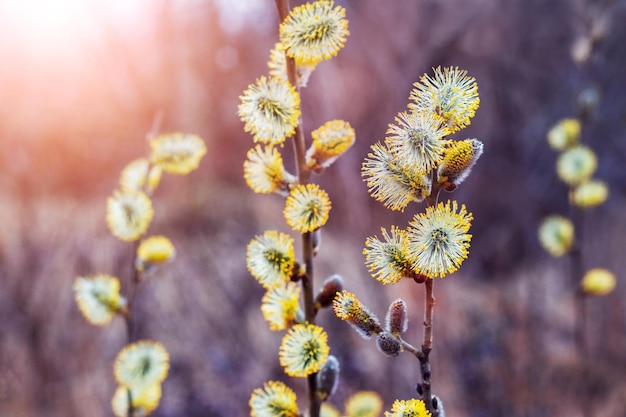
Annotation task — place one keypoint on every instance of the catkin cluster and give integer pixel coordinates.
(141, 366)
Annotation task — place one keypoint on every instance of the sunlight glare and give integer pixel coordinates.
(41, 22)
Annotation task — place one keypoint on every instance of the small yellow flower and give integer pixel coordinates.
(307, 208)
(576, 165)
(129, 214)
(328, 410)
(264, 171)
(270, 110)
(278, 66)
(438, 239)
(133, 176)
(556, 234)
(274, 399)
(458, 160)
(417, 140)
(145, 400)
(329, 142)
(408, 408)
(392, 185)
(177, 153)
(139, 174)
(304, 350)
(598, 281)
(388, 260)
(99, 298)
(314, 31)
(154, 178)
(348, 308)
(364, 404)
(280, 306)
(141, 364)
(564, 134)
(270, 258)
(590, 194)
(451, 95)
(153, 251)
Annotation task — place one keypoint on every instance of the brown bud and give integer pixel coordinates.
(316, 240)
(449, 186)
(328, 377)
(420, 279)
(397, 317)
(299, 271)
(331, 286)
(438, 405)
(318, 169)
(388, 344)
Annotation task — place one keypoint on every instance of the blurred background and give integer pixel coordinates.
(81, 83)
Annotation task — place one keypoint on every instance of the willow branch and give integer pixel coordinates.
(128, 316)
(427, 345)
(135, 279)
(428, 315)
(576, 271)
(425, 387)
(435, 189)
(307, 247)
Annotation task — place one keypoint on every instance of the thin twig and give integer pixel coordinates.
(310, 312)
(425, 387)
(135, 279)
(428, 315)
(576, 271)
(135, 274)
(157, 120)
(427, 345)
(409, 347)
(435, 189)
(307, 247)
(128, 316)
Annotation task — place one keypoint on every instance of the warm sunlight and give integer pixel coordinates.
(44, 23)
(74, 70)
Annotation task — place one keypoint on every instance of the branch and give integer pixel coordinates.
(307, 247)
(425, 387)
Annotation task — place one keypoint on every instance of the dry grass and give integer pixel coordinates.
(500, 347)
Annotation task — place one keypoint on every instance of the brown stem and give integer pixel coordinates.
(409, 348)
(128, 316)
(309, 315)
(132, 290)
(310, 312)
(425, 387)
(307, 279)
(307, 247)
(576, 271)
(136, 275)
(428, 315)
(298, 138)
(435, 189)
